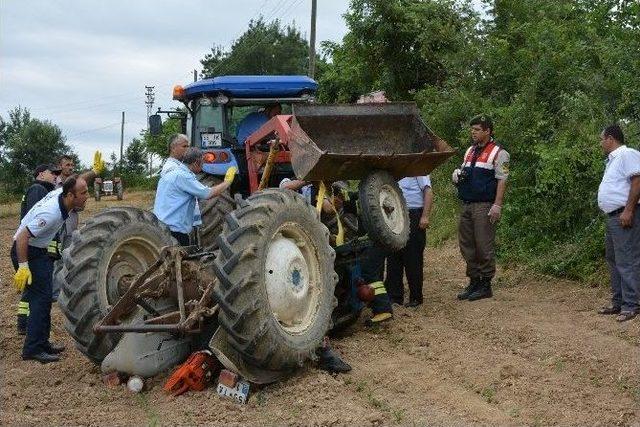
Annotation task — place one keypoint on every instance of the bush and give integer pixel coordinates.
(133, 182)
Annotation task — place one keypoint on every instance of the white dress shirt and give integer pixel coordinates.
(413, 190)
(623, 163)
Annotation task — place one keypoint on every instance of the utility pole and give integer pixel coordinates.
(312, 39)
(121, 141)
(195, 75)
(151, 97)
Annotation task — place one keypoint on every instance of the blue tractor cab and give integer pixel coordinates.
(217, 107)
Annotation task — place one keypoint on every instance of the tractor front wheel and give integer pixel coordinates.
(384, 211)
(277, 280)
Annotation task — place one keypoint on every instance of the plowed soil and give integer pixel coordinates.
(535, 354)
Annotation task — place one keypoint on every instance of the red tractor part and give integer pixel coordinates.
(194, 374)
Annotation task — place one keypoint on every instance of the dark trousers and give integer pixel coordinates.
(623, 256)
(182, 238)
(372, 271)
(409, 261)
(476, 236)
(38, 295)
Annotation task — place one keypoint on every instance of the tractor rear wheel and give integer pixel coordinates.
(384, 211)
(59, 281)
(113, 246)
(277, 281)
(213, 212)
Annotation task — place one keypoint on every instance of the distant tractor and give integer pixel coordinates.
(272, 273)
(108, 187)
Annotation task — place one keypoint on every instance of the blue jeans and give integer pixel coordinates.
(38, 295)
(623, 257)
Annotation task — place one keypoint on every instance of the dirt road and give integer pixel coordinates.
(536, 354)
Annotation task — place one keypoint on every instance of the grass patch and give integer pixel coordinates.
(363, 389)
(489, 394)
(152, 415)
(446, 206)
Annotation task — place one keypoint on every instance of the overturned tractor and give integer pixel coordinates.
(273, 282)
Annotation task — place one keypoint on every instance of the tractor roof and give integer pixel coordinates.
(253, 86)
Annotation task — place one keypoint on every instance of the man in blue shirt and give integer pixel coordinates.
(253, 121)
(178, 190)
(410, 260)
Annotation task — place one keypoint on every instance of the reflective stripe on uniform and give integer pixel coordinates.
(52, 248)
(379, 288)
(23, 308)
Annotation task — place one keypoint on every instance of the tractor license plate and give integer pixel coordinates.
(239, 393)
(211, 140)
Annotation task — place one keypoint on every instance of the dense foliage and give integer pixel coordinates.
(25, 143)
(551, 73)
(265, 48)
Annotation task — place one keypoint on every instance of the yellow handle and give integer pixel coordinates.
(321, 193)
(231, 174)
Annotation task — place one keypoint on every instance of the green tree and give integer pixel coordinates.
(400, 46)
(26, 143)
(265, 48)
(135, 157)
(551, 73)
(159, 144)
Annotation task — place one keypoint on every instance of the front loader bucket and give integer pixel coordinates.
(335, 142)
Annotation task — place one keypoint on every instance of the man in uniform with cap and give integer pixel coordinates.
(44, 182)
(34, 267)
(481, 182)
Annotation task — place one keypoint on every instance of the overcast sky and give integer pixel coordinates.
(80, 63)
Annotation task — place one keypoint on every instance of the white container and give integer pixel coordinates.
(135, 384)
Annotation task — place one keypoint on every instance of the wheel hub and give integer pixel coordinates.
(291, 274)
(391, 207)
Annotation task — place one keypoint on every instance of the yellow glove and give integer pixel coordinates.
(98, 163)
(22, 277)
(231, 174)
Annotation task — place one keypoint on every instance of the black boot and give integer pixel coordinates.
(482, 291)
(471, 288)
(331, 361)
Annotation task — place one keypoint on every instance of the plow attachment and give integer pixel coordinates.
(335, 142)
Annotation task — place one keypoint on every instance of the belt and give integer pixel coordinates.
(616, 212)
(467, 202)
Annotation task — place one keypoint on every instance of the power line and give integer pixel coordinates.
(93, 130)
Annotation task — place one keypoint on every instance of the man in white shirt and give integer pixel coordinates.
(34, 267)
(618, 197)
(410, 260)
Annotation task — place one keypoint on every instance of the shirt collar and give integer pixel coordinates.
(616, 152)
(46, 184)
(63, 210)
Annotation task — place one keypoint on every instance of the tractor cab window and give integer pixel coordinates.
(209, 125)
(238, 113)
